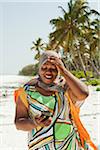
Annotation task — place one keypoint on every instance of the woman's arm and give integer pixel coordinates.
(22, 120)
(76, 87)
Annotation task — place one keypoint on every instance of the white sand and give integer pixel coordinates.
(12, 139)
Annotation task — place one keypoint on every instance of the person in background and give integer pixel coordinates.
(48, 108)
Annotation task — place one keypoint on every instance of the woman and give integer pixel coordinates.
(48, 107)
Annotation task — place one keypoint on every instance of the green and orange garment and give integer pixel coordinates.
(64, 132)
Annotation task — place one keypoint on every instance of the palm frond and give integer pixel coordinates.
(63, 10)
(32, 48)
(70, 6)
(94, 12)
(66, 16)
(57, 23)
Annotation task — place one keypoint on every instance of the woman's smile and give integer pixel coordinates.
(48, 76)
(48, 72)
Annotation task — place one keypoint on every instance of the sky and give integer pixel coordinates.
(22, 22)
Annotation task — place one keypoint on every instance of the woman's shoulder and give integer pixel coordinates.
(30, 83)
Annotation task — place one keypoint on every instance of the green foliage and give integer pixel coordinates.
(35, 71)
(98, 89)
(77, 33)
(93, 82)
(90, 74)
(80, 74)
(29, 70)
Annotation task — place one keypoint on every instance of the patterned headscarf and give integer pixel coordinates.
(45, 55)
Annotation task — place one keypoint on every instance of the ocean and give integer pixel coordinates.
(12, 139)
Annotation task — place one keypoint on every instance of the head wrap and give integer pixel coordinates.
(45, 55)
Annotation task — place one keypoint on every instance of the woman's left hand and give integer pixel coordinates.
(58, 62)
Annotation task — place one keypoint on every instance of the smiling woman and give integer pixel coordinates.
(48, 108)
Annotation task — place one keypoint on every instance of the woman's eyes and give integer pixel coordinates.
(50, 69)
(44, 68)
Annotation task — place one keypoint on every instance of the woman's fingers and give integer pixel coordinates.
(46, 121)
(43, 120)
(39, 118)
(53, 60)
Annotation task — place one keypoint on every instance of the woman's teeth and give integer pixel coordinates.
(48, 76)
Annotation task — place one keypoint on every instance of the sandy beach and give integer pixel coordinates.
(12, 139)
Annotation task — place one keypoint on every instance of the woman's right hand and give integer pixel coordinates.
(43, 120)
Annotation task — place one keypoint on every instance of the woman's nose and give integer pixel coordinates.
(49, 70)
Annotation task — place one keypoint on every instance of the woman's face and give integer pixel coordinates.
(48, 72)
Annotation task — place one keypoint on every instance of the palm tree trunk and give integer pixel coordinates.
(74, 61)
(93, 66)
(74, 66)
(82, 64)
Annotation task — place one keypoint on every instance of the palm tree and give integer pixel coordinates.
(69, 30)
(38, 46)
(69, 27)
(93, 40)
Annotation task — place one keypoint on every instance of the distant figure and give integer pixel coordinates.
(48, 108)
(4, 93)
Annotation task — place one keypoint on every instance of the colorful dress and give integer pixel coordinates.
(63, 132)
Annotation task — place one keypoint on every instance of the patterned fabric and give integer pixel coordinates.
(62, 133)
